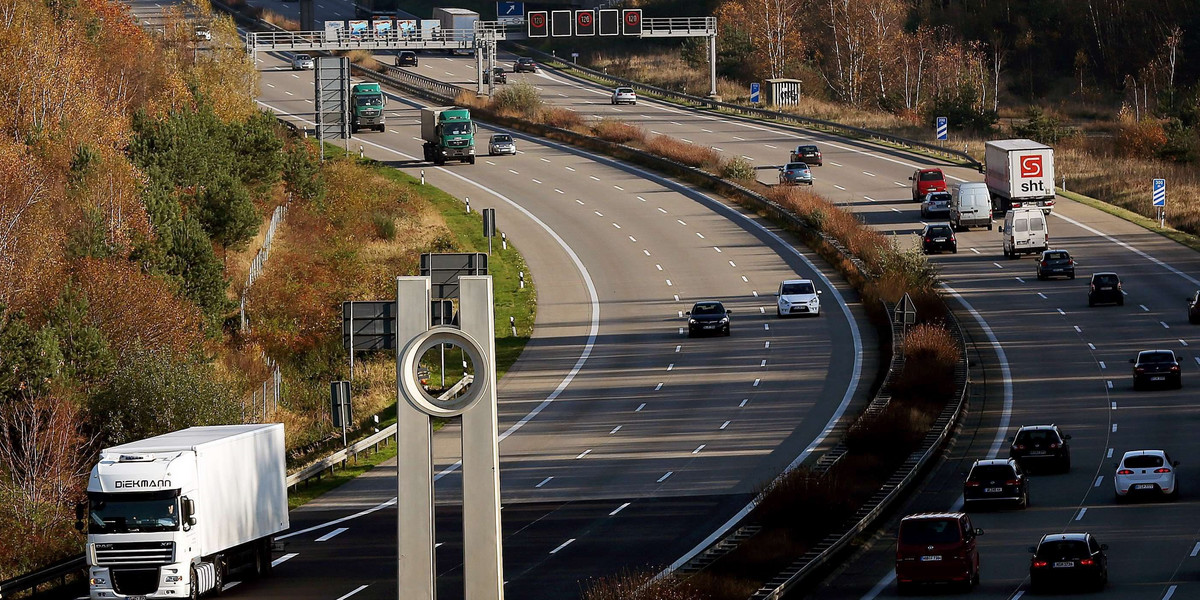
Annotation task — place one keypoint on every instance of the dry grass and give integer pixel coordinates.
(639, 585)
(279, 20)
(693, 155)
(932, 345)
(618, 132)
(364, 59)
(563, 118)
(666, 70)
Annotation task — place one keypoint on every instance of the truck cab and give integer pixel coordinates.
(449, 134)
(366, 103)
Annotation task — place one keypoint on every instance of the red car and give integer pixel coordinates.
(926, 181)
(937, 548)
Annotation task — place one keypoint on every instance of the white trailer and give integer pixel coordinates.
(1020, 173)
(171, 515)
(458, 24)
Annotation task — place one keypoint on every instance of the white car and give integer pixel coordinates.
(1150, 472)
(935, 204)
(798, 297)
(502, 143)
(302, 61)
(624, 95)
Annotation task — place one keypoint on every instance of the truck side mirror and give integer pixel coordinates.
(1001, 229)
(910, 178)
(189, 511)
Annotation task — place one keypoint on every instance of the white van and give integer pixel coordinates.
(970, 206)
(1025, 231)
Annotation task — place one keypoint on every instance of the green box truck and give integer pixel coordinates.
(366, 107)
(449, 133)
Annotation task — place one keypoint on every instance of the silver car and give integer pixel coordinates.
(935, 204)
(502, 143)
(794, 173)
(302, 61)
(624, 95)
(1150, 472)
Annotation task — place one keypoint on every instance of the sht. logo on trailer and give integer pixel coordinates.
(1031, 165)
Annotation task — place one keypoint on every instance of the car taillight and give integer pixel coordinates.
(1174, 367)
(1071, 262)
(1125, 472)
(1087, 562)
(972, 484)
(1162, 470)
(1038, 564)
(1012, 482)
(929, 239)
(1118, 285)
(1139, 370)
(1019, 446)
(1045, 263)
(952, 239)
(1055, 445)
(1092, 287)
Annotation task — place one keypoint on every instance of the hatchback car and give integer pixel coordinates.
(1193, 305)
(807, 153)
(938, 238)
(935, 204)
(1073, 559)
(525, 64)
(406, 58)
(1156, 367)
(795, 173)
(798, 297)
(502, 143)
(937, 548)
(624, 95)
(497, 73)
(925, 181)
(1146, 472)
(708, 316)
(1105, 287)
(1055, 263)
(996, 480)
(1041, 445)
(302, 61)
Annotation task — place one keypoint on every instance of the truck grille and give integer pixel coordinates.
(135, 554)
(138, 582)
(456, 143)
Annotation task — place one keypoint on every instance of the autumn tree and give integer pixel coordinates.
(771, 26)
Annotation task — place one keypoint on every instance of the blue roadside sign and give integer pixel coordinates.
(754, 95)
(1159, 192)
(943, 128)
(510, 12)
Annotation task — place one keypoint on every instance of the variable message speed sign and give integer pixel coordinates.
(610, 21)
(585, 22)
(631, 21)
(560, 23)
(539, 24)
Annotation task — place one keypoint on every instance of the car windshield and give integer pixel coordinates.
(501, 137)
(369, 100)
(708, 308)
(456, 128)
(797, 288)
(1037, 437)
(991, 472)
(932, 176)
(302, 57)
(524, 61)
(796, 166)
(807, 149)
(1063, 549)
(1144, 461)
(133, 512)
(624, 90)
(1155, 357)
(929, 531)
(1057, 256)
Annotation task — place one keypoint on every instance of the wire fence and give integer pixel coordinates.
(260, 259)
(265, 401)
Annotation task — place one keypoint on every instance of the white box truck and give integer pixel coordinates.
(1020, 173)
(170, 516)
(458, 24)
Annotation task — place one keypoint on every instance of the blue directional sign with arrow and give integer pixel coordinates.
(510, 12)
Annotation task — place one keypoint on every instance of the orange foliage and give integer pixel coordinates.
(1140, 139)
(131, 307)
(31, 235)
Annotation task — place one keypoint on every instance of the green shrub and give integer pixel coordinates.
(738, 169)
(226, 211)
(520, 98)
(302, 172)
(385, 225)
(1042, 127)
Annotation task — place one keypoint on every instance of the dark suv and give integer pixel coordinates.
(524, 64)
(936, 238)
(996, 480)
(1194, 308)
(1041, 444)
(1105, 287)
(1054, 263)
(1156, 366)
(1068, 558)
(406, 58)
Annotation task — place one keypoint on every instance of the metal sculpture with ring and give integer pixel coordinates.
(416, 394)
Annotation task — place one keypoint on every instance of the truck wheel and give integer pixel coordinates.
(381, 128)
(194, 588)
(472, 160)
(219, 576)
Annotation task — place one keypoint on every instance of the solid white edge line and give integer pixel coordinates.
(354, 591)
(284, 558)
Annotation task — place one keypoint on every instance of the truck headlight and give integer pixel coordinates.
(99, 581)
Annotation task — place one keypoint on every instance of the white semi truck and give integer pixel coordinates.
(170, 516)
(458, 24)
(1020, 174)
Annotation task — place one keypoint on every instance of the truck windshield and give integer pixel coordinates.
(461, 128)
(134, 512)
(372, 100)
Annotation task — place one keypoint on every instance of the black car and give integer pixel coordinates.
(498, 73)
(807, 154)
(1056, 263)
(1041, 444)
(708, 316)
(1105, 287)
(406, 58)
(524, 64)
(1194, 308)
(937, 238)
(996, 480)
(1071, 559)
(1156, 366)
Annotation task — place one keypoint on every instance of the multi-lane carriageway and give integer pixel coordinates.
(597, 236)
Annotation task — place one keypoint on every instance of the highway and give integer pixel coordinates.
(625, 442)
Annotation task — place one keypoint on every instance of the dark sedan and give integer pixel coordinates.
(1194, 308)
(1156, 367)
(1041, 444)
(996, 480)
(938, 238)
(807, 154)
(406, 58)
(1069, 559)
(708, 316)
(525, 64)
(498, 73)
(1056, 263)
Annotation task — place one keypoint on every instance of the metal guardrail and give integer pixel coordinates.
(679, 27)
(291, 41)
(760, 113)
(30, 581)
